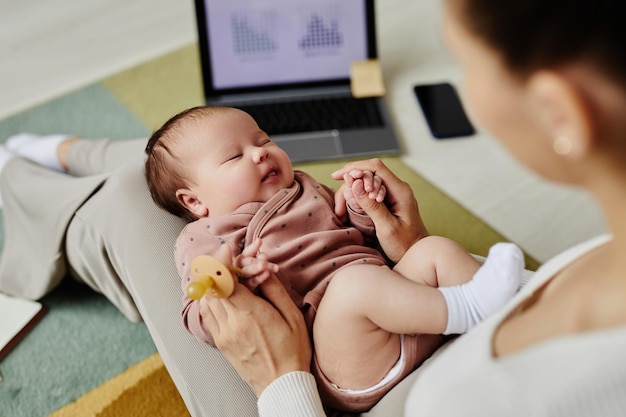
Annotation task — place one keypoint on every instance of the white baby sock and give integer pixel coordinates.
(490, 288)
(38, 148)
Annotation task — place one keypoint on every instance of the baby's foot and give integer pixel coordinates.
(498, 279)
(38, 148)
(490, 289)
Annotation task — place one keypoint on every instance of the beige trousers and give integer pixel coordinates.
(99, 224)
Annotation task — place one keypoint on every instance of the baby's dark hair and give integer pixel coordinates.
(534, 34)
(164, 170)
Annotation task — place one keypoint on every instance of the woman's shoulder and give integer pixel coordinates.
(549, 269)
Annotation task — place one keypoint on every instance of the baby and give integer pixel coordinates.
(371, 323)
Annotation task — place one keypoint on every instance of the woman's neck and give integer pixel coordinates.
(609, 191)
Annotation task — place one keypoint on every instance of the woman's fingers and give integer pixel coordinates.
(398, 222)
(274, 292)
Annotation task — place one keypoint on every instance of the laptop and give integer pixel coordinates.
(287, 63)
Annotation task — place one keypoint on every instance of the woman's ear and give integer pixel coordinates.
(564, 112)
(190, 201)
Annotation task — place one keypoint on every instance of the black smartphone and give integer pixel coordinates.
(443, 110)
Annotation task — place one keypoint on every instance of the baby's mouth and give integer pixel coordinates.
(270, 175)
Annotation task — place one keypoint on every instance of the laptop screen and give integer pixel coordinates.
(250, 44)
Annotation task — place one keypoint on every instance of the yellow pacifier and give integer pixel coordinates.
(212, 277)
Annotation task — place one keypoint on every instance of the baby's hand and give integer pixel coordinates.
(360, 183)
(255, 266)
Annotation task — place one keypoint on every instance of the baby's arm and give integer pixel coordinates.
(255, 266)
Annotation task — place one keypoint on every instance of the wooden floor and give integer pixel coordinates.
(51, 47)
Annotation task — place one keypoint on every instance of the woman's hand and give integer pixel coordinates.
(362, 180)
(397, 220)
(263, 337)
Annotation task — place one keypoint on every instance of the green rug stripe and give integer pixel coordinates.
(80, 343)
(91, 112)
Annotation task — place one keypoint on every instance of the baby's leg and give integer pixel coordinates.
(359, 320)
(490, 289)
(365, 308)
(471, 294)
(438, 262)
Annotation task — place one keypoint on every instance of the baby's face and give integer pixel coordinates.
(231, 161)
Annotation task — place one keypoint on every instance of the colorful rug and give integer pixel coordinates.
(143, 390)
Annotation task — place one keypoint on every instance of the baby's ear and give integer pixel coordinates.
(190, 201)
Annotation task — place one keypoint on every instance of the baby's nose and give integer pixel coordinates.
(260, 155)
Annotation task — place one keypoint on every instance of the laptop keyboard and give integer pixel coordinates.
(315, 114)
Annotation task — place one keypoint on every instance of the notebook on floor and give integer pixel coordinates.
(287, 63)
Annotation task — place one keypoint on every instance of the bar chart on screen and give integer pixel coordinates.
(253, 32)
(321, 31)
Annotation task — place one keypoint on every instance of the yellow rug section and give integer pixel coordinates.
(143, 390)
(161, 88)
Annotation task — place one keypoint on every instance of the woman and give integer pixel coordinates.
(548, 78)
